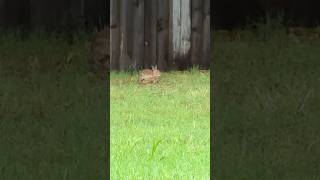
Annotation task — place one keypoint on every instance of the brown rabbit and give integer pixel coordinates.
(149, 75)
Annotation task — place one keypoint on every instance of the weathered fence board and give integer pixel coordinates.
(115, 34)
(124, 34)
(150, 34)
(196, 32)
(163, 34)
(138, 39)
(206, 34)
(185, 26)
(172, 34)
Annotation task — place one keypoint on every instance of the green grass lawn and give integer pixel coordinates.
(53, 125)
(268, 94)
(52, 117)
(160, 131)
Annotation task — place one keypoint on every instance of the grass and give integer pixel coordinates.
(160, 131)
(52, 114)
(267, 99)
(52, 117)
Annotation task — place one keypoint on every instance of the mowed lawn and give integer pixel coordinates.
(160, 131)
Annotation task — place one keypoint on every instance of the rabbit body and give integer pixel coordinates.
(147, 76)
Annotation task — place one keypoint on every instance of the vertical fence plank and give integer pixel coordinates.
(130, 32)
(124, 57)
(138, 42)
(115, 34)
(196, 32)
(174, 33)
(171, 62)
(181, 32)
(205, 60)
(185, 29)
(150, 36)
(147, 34)
(175, 28)
(153, 43)
(162, 34)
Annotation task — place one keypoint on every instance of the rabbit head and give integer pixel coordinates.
(155, 71)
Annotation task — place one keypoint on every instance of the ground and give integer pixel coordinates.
(160, 131)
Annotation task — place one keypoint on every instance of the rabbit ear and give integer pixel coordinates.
(154, 67)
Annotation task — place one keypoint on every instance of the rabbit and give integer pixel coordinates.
(149, 75)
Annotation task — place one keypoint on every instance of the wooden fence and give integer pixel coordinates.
(53, 15)
(172, 34)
